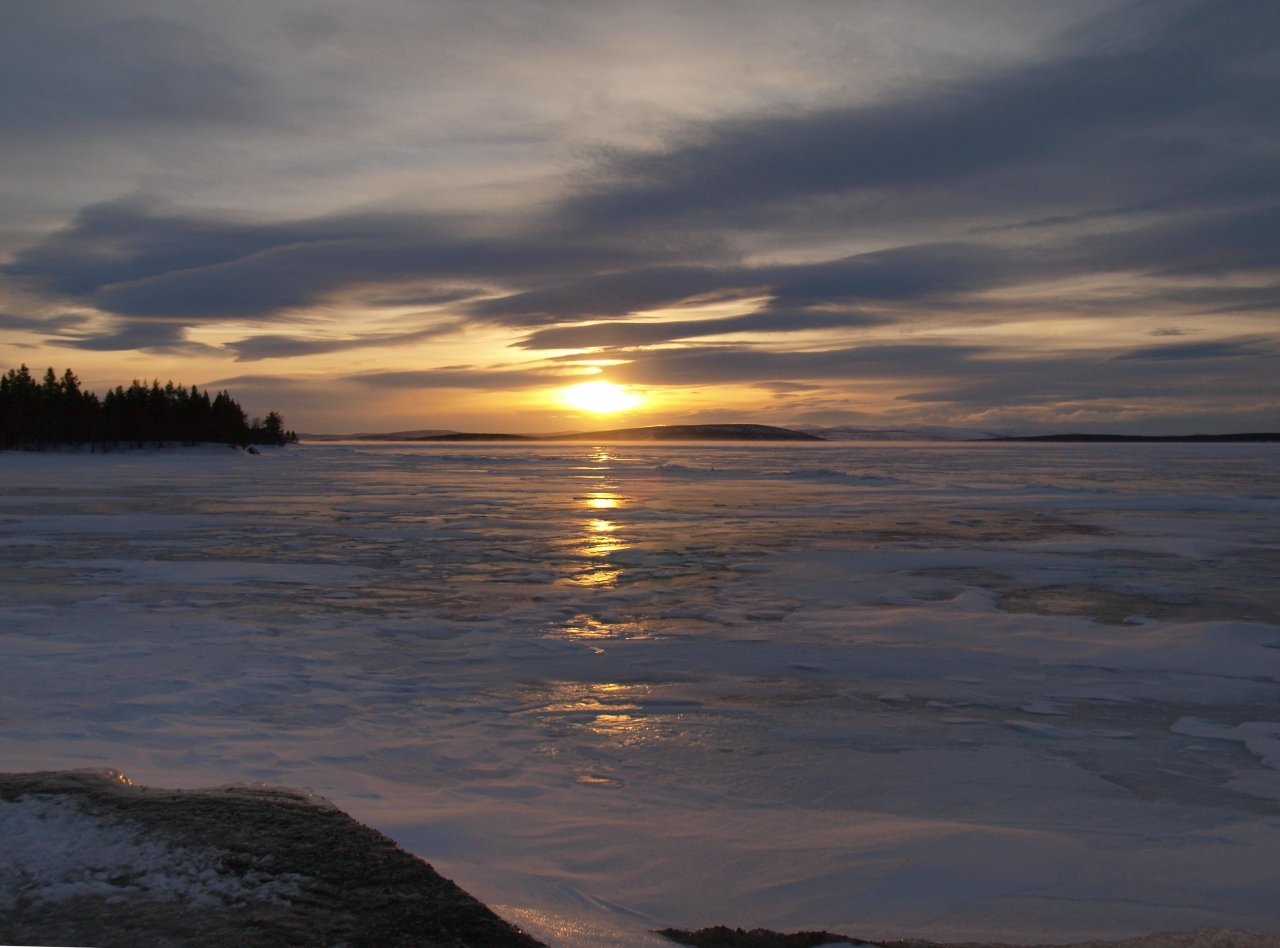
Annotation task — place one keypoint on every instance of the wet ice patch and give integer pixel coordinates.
(828, 475)
(219, 572)
(1262, 738)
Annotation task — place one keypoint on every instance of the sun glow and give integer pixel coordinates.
(599, 397)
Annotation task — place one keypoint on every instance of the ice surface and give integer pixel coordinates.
(1025, 692)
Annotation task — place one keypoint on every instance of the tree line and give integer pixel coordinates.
(54, 411)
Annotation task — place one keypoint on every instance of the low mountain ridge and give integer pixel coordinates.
(739, 432)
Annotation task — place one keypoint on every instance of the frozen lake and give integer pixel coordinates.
(945, 690)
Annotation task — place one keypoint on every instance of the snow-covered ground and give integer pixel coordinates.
(1020, 692)
(54, 850)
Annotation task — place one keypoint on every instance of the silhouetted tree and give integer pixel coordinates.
(21, 408)
(56, 411)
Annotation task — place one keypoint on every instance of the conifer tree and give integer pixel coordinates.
(56, 411)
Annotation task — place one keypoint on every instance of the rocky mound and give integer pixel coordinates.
(90, 859)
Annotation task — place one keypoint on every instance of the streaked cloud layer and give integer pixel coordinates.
(1060, 216)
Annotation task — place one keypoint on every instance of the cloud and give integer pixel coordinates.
(799, 295)
(1114, 117)
(42, 324)
(131, 258)
(787, 388)
(709, 365)
(1243, 373)
(254, 348)
(134, 239)
(615, 293)
(652, 228)
(969, 378)
(463, 377)
(85, 69)
(883, 184)
(1209, 244)
(126, 336)
(625, 334)
(1197, 351)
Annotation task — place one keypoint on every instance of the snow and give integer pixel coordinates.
(54, 851)
(1017, 692)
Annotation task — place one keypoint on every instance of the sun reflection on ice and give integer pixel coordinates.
(610, 710)
(601, 576)
(590, 630)
(596, 466)
(598, 540)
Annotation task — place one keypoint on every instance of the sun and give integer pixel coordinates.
(599, 397)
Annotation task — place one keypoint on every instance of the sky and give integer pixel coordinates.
(448, 214)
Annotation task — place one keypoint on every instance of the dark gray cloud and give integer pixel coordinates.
(129, 259)
(800, 296)
(127, 336)
(132, 259)
(1226, 299)
(1154, 108)
(1198, 351)
(923, 271)
(254, 348)
(1062, 380)
(61, 65)
(707, 365)
(1214, 243)
(42, 324)
(136, 239)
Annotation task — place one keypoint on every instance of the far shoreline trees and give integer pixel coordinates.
(55, 412)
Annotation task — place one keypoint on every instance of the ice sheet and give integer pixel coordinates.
(956, 691)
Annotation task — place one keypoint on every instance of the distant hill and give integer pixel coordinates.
(746, 432)
(476, 436)
(417, 435)
(694, 433)
(910, 433)
(1244, 436)
(651, 433)
(741, 432)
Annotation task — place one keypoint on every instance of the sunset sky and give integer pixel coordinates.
(417, 214)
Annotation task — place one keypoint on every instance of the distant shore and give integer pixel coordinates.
(752, 432)
(1248, 436)
(734, 432)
